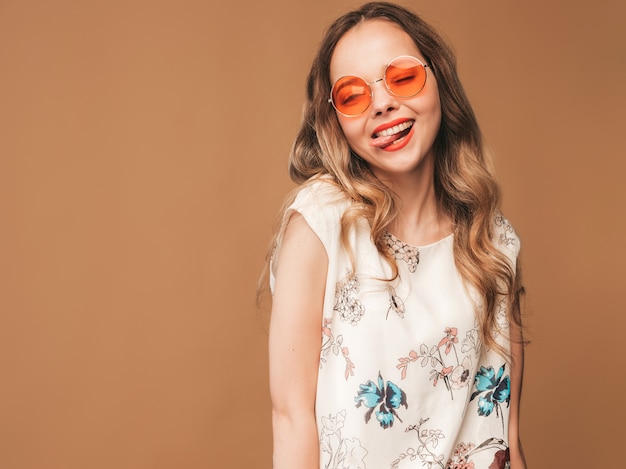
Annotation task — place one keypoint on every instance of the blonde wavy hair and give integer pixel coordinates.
(465, 184)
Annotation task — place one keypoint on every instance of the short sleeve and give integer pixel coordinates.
(322, 205)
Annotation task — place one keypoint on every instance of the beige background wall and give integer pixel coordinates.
(143, 152)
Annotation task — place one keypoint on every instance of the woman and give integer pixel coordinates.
(395, 338)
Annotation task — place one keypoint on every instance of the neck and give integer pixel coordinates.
(419, 221)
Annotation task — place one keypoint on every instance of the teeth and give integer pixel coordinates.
(394, 130)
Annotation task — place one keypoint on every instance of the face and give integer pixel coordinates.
(394, 135)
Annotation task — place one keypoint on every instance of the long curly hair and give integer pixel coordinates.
(464, 181)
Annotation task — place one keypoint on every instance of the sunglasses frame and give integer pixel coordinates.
(370, 83)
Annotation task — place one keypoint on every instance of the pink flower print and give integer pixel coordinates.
(462, 454)
(462, 449)
(349, 365)
(404, 362)
(435, 375)
(450, 339)
(334, 345)
(460, 375)
(461, 458)
(452, 369)
(463, 465)
(325, 329)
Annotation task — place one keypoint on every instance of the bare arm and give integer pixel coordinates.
(518, 460)
(294, 345)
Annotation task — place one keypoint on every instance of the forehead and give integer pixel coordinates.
(367, 48)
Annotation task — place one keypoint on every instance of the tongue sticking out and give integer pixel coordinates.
(383, 141)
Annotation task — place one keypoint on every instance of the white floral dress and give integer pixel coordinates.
(404, 381)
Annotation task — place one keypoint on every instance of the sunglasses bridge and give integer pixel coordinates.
(387, 87)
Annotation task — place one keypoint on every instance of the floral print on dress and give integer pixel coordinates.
(502, 320)
(347, 304)
(390, 397)
(454, 373)
(472, 341)
(356, 346)
(337, 452)
(402, 251)
(495, 389)
(462, 456)
(334, 345)
(507, 236)
(426, 451)
(395, 303)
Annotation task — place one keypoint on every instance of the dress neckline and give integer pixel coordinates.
(395, 239)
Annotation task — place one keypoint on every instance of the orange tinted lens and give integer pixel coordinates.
(405, 77)
(351, 95)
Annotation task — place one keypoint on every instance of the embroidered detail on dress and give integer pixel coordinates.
(390, 398)
(346, 303)
(334, 345)
(395, 303)
(336, 451)
(402, 251)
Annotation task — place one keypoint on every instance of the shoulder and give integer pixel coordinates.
(301, 244)
(321, 193)
(321, 203)
(505, 237)
(316, 210)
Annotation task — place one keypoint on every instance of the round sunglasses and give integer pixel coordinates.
(404, 77)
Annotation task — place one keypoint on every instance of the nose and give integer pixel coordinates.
(382, 101)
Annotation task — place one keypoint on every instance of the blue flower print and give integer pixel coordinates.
(390, 398)
(497, 388)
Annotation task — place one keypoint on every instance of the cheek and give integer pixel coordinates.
(429, 97)
(353, 130)
(437, 114)
(431, 107)
(436, 105)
